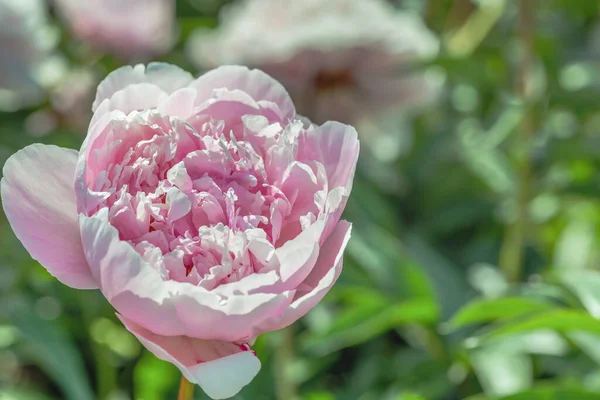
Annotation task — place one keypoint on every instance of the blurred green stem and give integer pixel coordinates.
(511, 253)
(106, 375)
(284, 356)
(186, 390)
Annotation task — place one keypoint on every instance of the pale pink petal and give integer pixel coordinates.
(137, 96)
(339, 147)
(297, 257)
(233, 318)
(39, 201)
(318, 282)
(137, 291)
(256, 83)
(167, 77)
(179, 204)
(179, 104)
(131, 285)
(221, 369)
(179, 177)
(409, 91)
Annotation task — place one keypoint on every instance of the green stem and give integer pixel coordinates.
(106, 375)
(511, 253)
(186, 390)
(284, 355)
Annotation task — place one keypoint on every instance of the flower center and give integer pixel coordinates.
(330, 80)
(198, 203)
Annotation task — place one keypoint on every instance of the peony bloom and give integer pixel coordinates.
(25, 42)
(340, 59)
(206, 211)
(131, 29)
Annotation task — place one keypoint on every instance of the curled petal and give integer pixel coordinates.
(221, 369)
(137, 291)
(39, 202)
(318, 282)
(256, 83)
(339, 147)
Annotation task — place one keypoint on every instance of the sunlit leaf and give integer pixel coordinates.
(485, 310)
(560, 320)
(372, 322)
(22, 394)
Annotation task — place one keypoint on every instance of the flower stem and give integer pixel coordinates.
(511, 253)
(285, 387)
(186, 390)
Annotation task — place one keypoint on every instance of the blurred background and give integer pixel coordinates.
(473, 269)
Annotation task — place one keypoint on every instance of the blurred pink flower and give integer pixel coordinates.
(339, 59)
(72, 96)
(204, 210)
(25, 43)
(130, 29)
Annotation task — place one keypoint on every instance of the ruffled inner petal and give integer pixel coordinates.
(209, 199)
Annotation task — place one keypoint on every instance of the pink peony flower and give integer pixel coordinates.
(25, 44)
(206, 211)
(131, 29)
(340, 59)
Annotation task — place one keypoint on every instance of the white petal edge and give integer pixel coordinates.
(166, 76)
(220, 378)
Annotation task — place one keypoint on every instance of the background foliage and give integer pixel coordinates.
(472, 272)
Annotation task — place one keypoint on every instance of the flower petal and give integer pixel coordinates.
(221, 369)
(318, 282)
(297, 257)
(137, 96)
(137, 291)
(256, 83)
(167, 77)
(339, 147)
(39, 201)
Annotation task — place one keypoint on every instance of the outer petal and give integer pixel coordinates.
(169, 308)
(221, 369)
(137, 96)
(339, 148)
(167, 77)
(39, 201)
(318, 282)
(256, 83)
(336, 146)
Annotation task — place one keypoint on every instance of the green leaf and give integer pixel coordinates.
(585, 284)
(447, 279)
(50, 348)
(559, 320)
(409, 396)
(485, 310)
(500, 371)
(588, 343)
(363, 323)
(22, 394)
(546, 392)
(154, 378)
